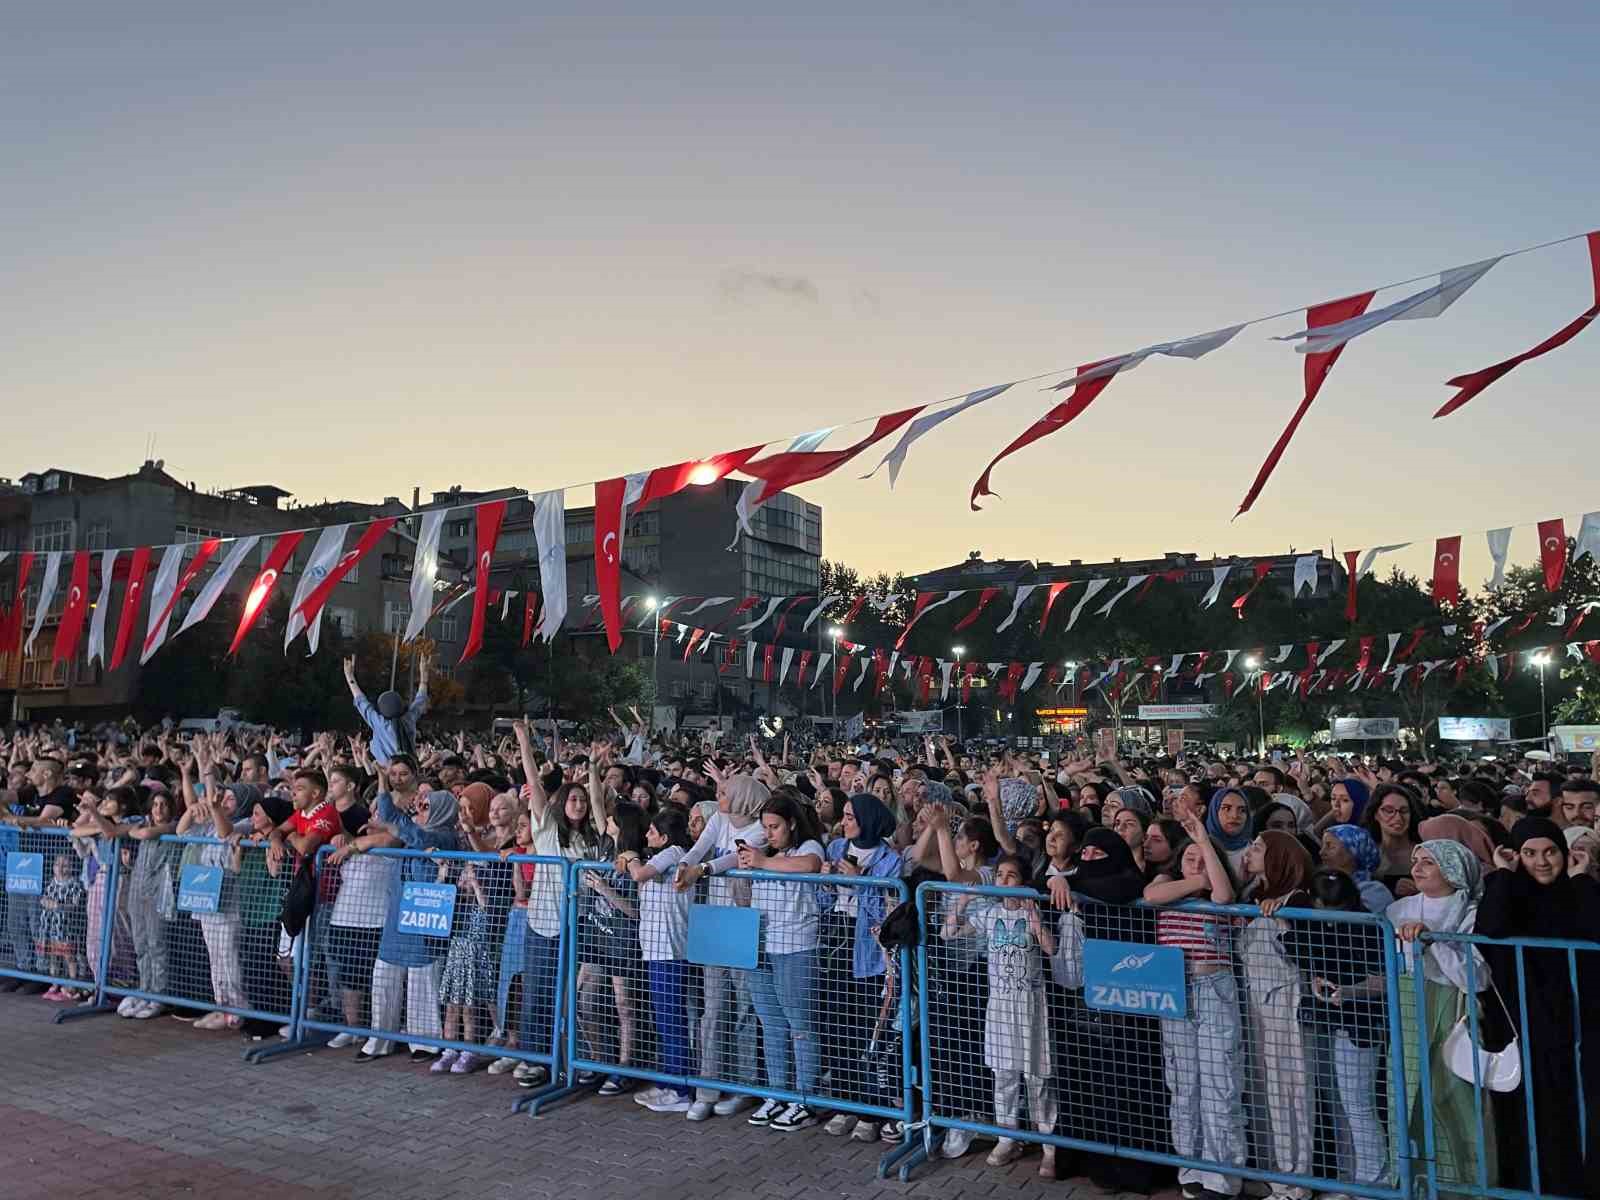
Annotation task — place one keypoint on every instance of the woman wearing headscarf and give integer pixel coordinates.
(214, 817)
(411, 961)
(1281, 1109)
(1449, 880)
(1449, 827)
(1108, 1064)
(858, 987)
(1228, 824)
(1534, 896)
(1347, 802)
(1350, 849)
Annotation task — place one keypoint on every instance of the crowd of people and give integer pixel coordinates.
(1281, 1063)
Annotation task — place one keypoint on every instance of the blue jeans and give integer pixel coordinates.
(513, 952)
(22, 926)
(784, 992)
(541, 961)
(1363, 1153)
(672, 1017)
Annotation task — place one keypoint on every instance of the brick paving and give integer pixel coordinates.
(151, 1109)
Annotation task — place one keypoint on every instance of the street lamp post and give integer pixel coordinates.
(958, 651)
(651, 603)
(1542, 660)
(835, 632)
(1252, 663)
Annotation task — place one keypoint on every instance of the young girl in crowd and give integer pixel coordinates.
(61, 929)
(1228, 822)
(151, 904)
(663, 942)
(1202, 1054)
(611, 930)
(214, 817)
(785, 985)
(96, 832)
(367, 885)
(466, 985)
(514, 942)
(1016, 1029)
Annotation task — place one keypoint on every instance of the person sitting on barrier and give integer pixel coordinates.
(1533, 894)
(1449, 882)
(1278, 867)
(1016, 1028)
(727, 1021)
(663, 943)
(61, 946)
(1349, 848)
(214, 816)
(610, 929)
(1203, 1053)
(784, 987)
(863, 851)
(411, 961)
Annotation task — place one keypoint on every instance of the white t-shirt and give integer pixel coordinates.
(663, 911)
(789, 910)
(546, 896)
(1015, 962)
(716, 843)
(366, 882)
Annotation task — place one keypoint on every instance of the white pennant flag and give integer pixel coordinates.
(550, 535)
(944, 678)
(1399, 674)
(1394, 640)
(783, 667)
(822, 667)
(1494, 625)
(1218, 575)
(1588, 538)
(926, 424)
(1232, 654)
(1284, 650)
(217, 584)
(1492, 661)
(709, 602)
(1333, 647)
(1133, 582)
(1092, 589)
(97, 626)
(866, 661)
(1022, 595)
(160, 600)
(1305, 572)
(1432, 665)
(748, 503)
(1371, 556)
(425, 571)
(1499, 548)
(1189, 347)
(827, 601)
(749, 660)
(1575, 650)
(505, 602)
(1177, 663)
(47, 593)
(1200, 680)
(772, 607)
(324, 557)
(1430, 302)
(1030, 676)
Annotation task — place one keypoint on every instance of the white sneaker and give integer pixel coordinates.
(284, 1031)
(841, 1124)
(796, 1116)
(501, 1065)
(148, 1009)
(647, 1097)
(1005, 1152)
(764, 1115)
(669, 1101)
(957, 1142)
(341, 1040)
(127, 1007)
(865, 1131)
(729, 1105)
(212, 1021)
(699, 1110)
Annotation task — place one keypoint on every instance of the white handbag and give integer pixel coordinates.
(1497, 1070)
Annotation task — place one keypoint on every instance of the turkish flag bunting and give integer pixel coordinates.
(1049, 602)
(1553, 552)
(923, 600)
(1008, 689)
(841, 667)
(11, 629)
(1316, 372)
(202, 556)
(668, 481)
(1447, 570)
(1352, 583)
(490, 515)
(1576, 621)
(132, 597)
(766, 663)
(608, 495)
(1592, 649)
(1365, 659)
(1475, 381)
(256, 597)
(880, 669)
(530, 615)
(984, 597)
(694, 640)
(77, 608)
(1082, 395)
(743, 606)
(1261, 569)
(783, 616)
(789, 468)
(855, 608)
(967, 673)
(1410, 647)
(805, 665)
(370, 537)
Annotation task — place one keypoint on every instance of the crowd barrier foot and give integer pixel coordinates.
(910, 1151)
(922, 1151)
(278, 1048)
(549, 1094)
(82, 1010)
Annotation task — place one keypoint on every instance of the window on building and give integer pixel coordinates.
(53, 535)
(97, 536)
(641, 560)
(449, 628)
(396, 616)
(678, 689)
(343, 619)
(189, 534)
(580, 534)
(38, 671)
(396, 566)
(645, 524)
(88, 674)
(458, 529)
(353, 575)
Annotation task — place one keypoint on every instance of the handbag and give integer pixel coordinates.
(1498, 1070)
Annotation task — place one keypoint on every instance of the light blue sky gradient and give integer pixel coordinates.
(504, 243)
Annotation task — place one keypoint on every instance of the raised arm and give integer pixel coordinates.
(538, 801)
(991, 797)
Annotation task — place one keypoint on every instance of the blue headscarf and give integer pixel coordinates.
(1359, 795)
(875, 820)
(1234, 841)
(1361, 846)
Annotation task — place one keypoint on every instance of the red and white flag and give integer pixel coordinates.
(241, 549)
(256, 598)
(325, 554)
(164, 593)
(132, 598)
(1430, 302)
(1447, 570)
(896, 458)
(1553, 552)
(310, 608)
(11, 628)
(77, 608)
(611, 500)
(490, 515)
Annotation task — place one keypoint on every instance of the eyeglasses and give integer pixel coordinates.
(1386, 811)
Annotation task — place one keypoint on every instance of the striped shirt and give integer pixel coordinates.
(1203, 937)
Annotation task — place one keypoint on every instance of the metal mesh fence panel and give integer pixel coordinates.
(772, 987)
(452, 956)
(1213, 1039)
(60, 905)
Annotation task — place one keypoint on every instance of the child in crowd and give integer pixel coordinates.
(466, 987)
(61, 929)
(663, 939)
(610, 930)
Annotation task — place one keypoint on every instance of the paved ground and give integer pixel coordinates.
(136, 1109)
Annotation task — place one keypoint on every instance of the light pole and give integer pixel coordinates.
(651, 603)
(958, 651)
(1251, 664)
(835, 632)
(1542, 660)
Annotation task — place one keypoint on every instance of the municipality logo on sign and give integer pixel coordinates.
(1128, 977)
(200, 889)
(24, 874)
